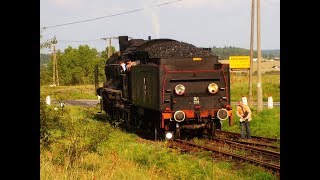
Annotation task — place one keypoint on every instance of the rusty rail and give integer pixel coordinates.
(273, 167)
(260, 150)
(252, 143)
(255, 137)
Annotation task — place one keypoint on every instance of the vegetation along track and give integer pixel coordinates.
(268, 159)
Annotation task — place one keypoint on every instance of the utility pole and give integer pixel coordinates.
(55, 76)
(251, 55)
(259, 84)
(54, 65)
(109, 49)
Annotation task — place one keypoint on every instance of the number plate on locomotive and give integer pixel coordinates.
(196, 100)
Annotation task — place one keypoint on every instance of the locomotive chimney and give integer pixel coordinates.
(123, 43)
(149, 37)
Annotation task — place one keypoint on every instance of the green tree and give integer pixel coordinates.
(45, 77)
(76, 66)
(44, 58)
(225, 52)
(104, 54)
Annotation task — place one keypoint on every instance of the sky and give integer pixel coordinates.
(203, 23)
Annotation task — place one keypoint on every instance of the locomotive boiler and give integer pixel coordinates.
(166, 87)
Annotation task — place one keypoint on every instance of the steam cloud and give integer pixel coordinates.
(154, 17)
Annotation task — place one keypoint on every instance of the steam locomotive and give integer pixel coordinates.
(166, 87)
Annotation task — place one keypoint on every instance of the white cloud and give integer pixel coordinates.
(203, 3)
(188, 4)
(199, 3)
(68, 3)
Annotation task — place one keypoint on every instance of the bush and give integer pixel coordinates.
(50, 121)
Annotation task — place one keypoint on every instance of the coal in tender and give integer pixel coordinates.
(175, 49)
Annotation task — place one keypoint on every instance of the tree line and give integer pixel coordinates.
(225, 52)
(76, 65)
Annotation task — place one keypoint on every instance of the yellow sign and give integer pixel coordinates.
(197, 59)
(239, 62)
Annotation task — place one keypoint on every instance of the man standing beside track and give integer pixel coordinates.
(244, 113)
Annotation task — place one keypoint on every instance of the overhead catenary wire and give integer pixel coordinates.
(80, 41)
(109, 16)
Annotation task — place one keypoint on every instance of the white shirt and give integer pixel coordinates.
(123, 65)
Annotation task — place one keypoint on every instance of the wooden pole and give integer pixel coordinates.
(259, 84)
(109, 49)
(54, 65)
(251, 55)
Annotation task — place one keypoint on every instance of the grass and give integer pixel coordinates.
(240, 87)
(82, 145)
(62, 93)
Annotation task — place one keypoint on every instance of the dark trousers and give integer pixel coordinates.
(245, 129)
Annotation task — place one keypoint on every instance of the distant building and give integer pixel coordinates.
(254, 59)
(277, 59)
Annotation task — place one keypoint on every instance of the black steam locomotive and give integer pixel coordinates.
(167, 87)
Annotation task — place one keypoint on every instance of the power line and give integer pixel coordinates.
(126, 12)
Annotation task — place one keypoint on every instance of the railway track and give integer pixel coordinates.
(253, 143)
(251, 147)
(261, 140)
(262, 157)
